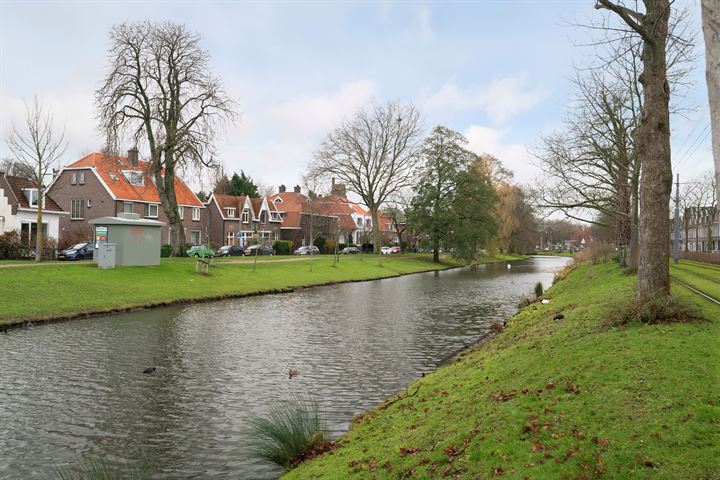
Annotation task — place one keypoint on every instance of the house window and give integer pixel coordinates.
(230, 212)
(359, 222)
(196, 214)
(31, 195)
(246, 216)
(73, 178)
(82, 178)
(229, 238)
(263, 217)
(181, 213)
(77, 209)
(151, 210)
(127, 207)
(135, 178)
(278, 200)
(195, 237)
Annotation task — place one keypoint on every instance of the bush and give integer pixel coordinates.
(11, 246)
(214, 245)
(659, 309)
(166, 250)
(283, 247)
(596, 254)
(538, 289)
(294, 430)
(320, 243)
(329, 246)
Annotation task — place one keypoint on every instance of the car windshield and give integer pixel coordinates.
(226, 247)
(78, 246)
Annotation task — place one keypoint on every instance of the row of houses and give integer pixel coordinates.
(700, 230)
(100, 185)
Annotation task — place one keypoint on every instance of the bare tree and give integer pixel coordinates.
(158, 90)
(373, 154)
(652, 142)
(711, 32)
(37, 149)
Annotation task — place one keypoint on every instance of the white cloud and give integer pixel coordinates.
(500, 99)
(514, 156)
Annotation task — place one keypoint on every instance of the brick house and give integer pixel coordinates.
(304, 218)
(100, 185)
(234, 220)
(18, 210)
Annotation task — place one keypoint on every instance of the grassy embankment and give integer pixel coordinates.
(576, 398)
(65, 290)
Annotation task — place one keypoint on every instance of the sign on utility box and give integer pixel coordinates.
(106, 255)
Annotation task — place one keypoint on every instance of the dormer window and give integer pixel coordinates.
(278, 200)
(246, 216)
(31, 195)
(274, 216)
(230, 212)
(136, 178)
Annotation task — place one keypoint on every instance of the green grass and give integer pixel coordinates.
(702, 276)
(554, 254)
(575, 398)
(58, 290)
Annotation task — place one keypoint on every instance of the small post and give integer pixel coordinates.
(676, 240)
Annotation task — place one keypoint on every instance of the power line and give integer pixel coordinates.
(702, 136)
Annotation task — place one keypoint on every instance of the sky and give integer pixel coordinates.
(497, 71)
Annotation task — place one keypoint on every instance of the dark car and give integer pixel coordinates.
(350, 251)
(80, 251)
(261, 250)
(230, 251)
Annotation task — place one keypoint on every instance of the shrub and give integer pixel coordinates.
(329, 246)
(320, 243)
(293, 431)
(659, 309)
(538, 289)
(166, 250)
(596, 254)
(11, 246)
(283, 247)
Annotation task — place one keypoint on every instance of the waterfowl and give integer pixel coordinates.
(149, 370)
(559, 316)
(293, 373)
(509, 266)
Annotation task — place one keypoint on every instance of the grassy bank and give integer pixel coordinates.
(576, 398)
(62, 290)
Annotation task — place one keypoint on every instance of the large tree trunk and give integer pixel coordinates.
(634, 220)
(165, 182)
(711, 32)
(377, 241)
(653, 147)
(623, 222)
(436, 248)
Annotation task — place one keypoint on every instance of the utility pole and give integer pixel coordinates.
(676, 242)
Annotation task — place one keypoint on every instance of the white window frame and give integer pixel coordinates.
(246, 216)
(81, 178)
(75, 209)
(196, 214)
(230, 212)
(199, 237)
(73, 178)
(230, 238)
(149, 214)
(181, 212)
(126, 205)
(30, 199)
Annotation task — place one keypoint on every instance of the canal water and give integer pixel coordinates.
(76, 390)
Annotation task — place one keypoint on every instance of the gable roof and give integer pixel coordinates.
(110, 170)
(16, 185)
(238, 202)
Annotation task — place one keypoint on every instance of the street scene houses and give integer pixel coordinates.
(18, 210)
(100, 185)
(700, 230)
(235, 220)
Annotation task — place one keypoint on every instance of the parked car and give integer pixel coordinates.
(395, 249)
(200, 251)
(350, 251)
(230, 251)
(261, 250)
(385, 250)
(308, 250)
(80, 251)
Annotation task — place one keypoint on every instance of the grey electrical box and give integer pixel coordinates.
(106, 255)
(136, 240)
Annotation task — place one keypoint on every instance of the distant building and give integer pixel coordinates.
(700, 230)
(100, 185)
(235, 220)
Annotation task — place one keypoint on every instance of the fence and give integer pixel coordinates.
(701, 257)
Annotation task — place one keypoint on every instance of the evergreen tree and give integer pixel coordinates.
(243, 185)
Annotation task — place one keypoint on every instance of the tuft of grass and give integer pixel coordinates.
(538, 289)
(97, 469)
(293, 431)
(658, 310)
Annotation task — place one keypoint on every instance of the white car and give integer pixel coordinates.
(385, 250)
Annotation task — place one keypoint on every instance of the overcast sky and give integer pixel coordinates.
(496, 71)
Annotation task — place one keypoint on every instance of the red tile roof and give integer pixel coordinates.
(110, 169)
(18, 184)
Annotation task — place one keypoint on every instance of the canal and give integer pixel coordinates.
(76, 390)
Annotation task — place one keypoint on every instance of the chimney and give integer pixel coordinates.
(281, 189)
(338, 189)
(297, 189)
(133, 157)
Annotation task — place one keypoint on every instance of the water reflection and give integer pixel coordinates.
(76, 389)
